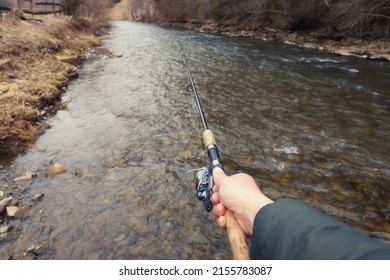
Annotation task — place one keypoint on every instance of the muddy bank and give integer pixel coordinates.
(345, 46)
(38, 58)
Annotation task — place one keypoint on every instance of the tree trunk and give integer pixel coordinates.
(267, 4)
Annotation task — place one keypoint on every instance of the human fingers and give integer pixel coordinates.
(219, 210)
(218, 175)
(215, 198)
(221, 221)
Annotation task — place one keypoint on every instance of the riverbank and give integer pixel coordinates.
(345, 46)
(38, 58)
(339, 28)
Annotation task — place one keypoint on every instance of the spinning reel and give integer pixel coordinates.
(204, 187)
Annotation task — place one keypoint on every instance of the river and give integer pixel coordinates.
(306, 124)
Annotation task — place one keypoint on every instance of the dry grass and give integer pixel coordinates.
(31, 74)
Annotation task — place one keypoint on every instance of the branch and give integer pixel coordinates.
(375, 15)
(259, 13)
(378, 6)
(255, 10)
(327, 3)
(253, 13)
(346, 10)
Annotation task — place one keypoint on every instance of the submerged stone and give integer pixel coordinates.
(56, 169)
(17, 212)
(5, 229)
(37, 197)
(115, 52)
(36, 249)
(25, 179)
(4, 203)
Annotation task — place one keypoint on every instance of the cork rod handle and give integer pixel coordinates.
(236, 234)
(237, 237)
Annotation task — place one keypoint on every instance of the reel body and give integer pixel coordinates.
(204, 187)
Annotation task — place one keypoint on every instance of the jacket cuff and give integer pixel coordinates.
(269, 221)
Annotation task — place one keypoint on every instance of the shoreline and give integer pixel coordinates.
(366, 49)
(38, 58)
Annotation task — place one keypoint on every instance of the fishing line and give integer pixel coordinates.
(190, 171)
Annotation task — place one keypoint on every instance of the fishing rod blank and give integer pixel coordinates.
(204, 179)
(192, 88)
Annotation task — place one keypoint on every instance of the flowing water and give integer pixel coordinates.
(305, 124)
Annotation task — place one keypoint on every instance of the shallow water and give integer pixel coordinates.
(305, 124)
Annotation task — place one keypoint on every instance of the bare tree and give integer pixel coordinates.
(351, 17)
(327, 3)
(86, 7)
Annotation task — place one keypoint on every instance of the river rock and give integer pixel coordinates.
(28, 256)
(115, 52)
(25, 179)
(56, 169)
(9, 236)
(5, 229)
(13, 202)
(37, 197)
(36, 249)
(72, 73)
(12, 76)
(4, 203)
(67, 58)
(71, 70)
(17, 212)
(2, 195)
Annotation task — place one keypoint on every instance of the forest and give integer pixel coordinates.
(367, 19)
(332, 18)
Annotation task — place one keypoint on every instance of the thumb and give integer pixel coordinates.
(218, 175)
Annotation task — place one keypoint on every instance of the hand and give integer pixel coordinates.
(241, 195)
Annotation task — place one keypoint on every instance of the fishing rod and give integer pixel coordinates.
(204, 176)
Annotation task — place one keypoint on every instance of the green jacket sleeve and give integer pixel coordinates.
(289, 229)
